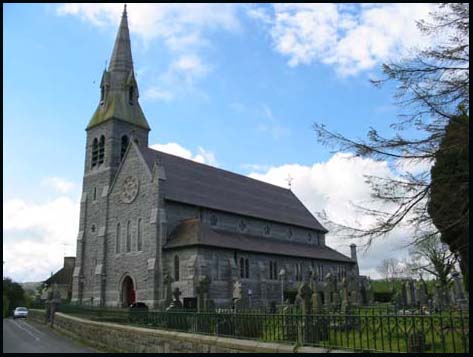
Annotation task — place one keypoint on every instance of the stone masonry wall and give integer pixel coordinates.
(121, 338)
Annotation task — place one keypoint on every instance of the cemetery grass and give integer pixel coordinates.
(378, 333)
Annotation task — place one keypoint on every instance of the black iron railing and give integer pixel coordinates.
(362, 329)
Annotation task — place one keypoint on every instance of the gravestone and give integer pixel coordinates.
(316, 299)
(332, 293)
(345, 302)
(369, 292)
(411, 293)
(421, 292)
(202, 294)
(460, 296)
(303, 298)
(403, 294)
(236, 293)
(167, 290)
(441, 298)
(176, 304)
(303, 302)
(353, 289)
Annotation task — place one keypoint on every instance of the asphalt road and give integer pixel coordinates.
(23, 336)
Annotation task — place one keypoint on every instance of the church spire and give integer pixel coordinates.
(119, 90)
(121, 56)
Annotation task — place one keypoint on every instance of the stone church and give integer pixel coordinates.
(151, 222)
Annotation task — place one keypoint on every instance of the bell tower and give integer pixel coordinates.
(117, 120)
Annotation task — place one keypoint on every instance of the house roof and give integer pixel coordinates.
(198, 184)
(63, 276)
(192, 232)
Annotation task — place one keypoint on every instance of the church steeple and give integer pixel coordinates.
(118, 88)
(121, 56)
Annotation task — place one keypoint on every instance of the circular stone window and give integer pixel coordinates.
(267, 229)
(213, 220)
(129, 189)
(289, 233)
(242, 225)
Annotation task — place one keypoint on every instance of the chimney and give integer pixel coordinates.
(353, 252)
(69, 262)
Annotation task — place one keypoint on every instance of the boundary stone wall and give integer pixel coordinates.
(122, 338)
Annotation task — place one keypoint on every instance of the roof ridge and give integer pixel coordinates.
(220, 169)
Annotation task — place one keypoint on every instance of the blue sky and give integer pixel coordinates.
(236, 86)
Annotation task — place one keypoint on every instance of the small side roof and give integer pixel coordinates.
(192, 232)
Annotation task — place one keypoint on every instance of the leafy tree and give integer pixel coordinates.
(448, 205)
(390, 269)
(14, 293)
(433, 86)
(434, 257)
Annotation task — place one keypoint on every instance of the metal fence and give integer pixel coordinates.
(366, 329)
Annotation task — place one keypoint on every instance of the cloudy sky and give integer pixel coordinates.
(234, 86)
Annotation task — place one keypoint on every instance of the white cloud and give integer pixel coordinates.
(271, 125)
(157, 94)
(34, 235)
(184, 29)
(59, 184)
(203, 156)
(332, 187)
(351, 37)
(179, 25)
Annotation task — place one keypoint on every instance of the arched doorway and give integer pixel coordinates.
(128, 292)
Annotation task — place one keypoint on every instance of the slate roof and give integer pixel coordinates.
(198, 184)
(192, 232)
(63, 276)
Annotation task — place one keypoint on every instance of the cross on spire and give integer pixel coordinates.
(289, 180)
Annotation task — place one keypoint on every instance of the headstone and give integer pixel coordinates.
(316, 300)
(202, 294)
(167, 290)
(237, 290)
(369, 292)
(421, 292)
(313, 277)
(460, 297)
(354, 289)
(236, 293)
(403, 294)
(411, 294)
(303, 298)
(437, 299)
(176, 303)
(445, 296)
(332, 293)
(345, 302)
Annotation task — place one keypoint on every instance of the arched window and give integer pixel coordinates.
(117, 240)
(176, 268)
(270, 270)
(102, 94)
(140, 239)
(95, 152)
(128, 237)
(131, 94)
(247, 268)
(101, 149)
(124, 145)
(242, 268)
